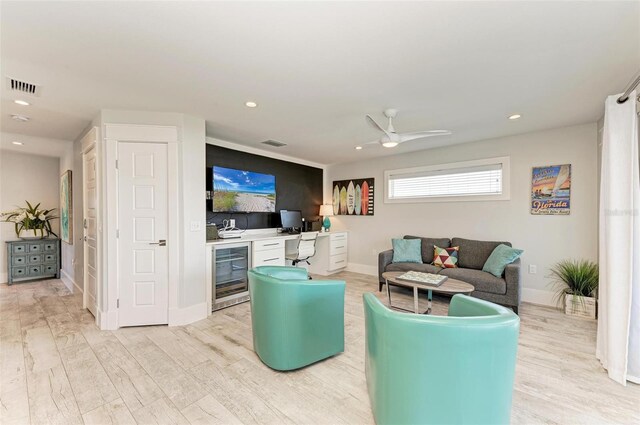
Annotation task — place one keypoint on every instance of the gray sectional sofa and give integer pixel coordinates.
(471, 257)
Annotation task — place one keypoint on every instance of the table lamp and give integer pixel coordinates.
(327, 211)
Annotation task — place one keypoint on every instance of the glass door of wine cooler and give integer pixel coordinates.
(230, 281)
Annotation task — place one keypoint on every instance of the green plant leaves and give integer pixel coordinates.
(575, 277)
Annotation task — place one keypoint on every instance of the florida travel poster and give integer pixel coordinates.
(551, 190)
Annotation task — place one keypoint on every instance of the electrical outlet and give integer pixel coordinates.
(195, 226)
(232, 222)
(533, 269)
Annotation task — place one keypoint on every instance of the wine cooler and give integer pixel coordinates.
(231, 262)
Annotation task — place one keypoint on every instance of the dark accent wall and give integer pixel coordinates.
(298, 187)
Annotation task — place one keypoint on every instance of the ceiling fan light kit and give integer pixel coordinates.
(391, 138)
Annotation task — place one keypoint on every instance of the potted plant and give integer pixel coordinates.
(576, 282)
(30, 222)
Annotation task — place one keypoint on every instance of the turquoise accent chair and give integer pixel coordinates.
(455, 369)
(296, 321)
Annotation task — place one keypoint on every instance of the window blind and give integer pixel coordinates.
(465, 181)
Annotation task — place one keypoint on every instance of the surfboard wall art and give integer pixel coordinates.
(353, 197)
(551, 190)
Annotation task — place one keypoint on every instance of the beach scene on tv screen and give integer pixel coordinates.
(243, 191)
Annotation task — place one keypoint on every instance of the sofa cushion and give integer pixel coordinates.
(406, 267)
(482, 281)
(445, 257)
(406, 251)
(473, 254)
(500, 258)
(428, 244)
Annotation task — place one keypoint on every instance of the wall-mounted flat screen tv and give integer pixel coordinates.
(243, 191)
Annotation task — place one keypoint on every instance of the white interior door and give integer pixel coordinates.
(90, 199)
(142, 234)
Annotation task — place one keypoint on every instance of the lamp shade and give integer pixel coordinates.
(326, 210)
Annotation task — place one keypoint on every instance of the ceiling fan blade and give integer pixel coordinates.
(405, 137)
(375, 125)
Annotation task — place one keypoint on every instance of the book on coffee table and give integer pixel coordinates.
(424, 278)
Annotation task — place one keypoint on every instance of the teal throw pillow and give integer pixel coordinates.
(499, 258)
(407, 250)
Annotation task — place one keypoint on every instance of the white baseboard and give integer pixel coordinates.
(108, 321)
(363, 269)
(538, 296)
(184, 316)
(4, 277)
(71, 284)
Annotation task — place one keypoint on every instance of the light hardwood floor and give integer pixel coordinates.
(57, 367)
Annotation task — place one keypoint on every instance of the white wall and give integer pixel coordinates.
(25, 177)
(545, 239)
(72, 254)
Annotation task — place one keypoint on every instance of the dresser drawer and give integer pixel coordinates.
(50, 258)
(34, 259)
(50, 247)
(271, 257)
(34, 248)
(50, 269)
(19, 260)
(34, 270)
(337, 261)
(19, 248)
(18, 272)
(268, 244)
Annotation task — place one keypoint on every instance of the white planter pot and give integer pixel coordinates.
(580, 306)
(32, 234)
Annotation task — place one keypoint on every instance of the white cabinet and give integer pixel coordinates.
(268, 252)
(331, 254)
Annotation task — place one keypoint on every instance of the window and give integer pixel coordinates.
(480, 180)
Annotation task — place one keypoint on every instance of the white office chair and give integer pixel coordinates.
(306, 248)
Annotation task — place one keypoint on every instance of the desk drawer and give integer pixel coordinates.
(338, 247)
(337, 261)
(268, 244)
(271, 257)
(338, 237)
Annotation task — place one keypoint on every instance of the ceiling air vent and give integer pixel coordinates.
(23, 87)
(274, 143)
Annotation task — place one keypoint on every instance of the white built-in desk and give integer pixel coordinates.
(267, 247)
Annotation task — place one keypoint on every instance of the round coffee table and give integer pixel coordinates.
(450, 286)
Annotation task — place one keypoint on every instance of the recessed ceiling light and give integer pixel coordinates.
(18, 143)
(22, 102)
(250, 104)
(358, 148)
(21, 118)
(514, 116)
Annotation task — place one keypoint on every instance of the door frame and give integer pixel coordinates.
(89, 141)
(132, 133)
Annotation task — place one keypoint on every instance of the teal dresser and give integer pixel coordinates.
(33, 259)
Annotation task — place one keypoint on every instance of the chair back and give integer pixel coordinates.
(456, 369)
(307, 245)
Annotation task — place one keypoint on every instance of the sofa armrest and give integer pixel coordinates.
(512, 278)
(384, 259)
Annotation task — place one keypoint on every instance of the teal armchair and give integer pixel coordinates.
(455, 369)
(296, 321)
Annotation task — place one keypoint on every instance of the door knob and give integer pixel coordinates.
(161, 242)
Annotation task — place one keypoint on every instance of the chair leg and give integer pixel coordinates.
(379, 286)
(515, 309)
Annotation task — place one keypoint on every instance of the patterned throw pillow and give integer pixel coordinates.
(445, 257)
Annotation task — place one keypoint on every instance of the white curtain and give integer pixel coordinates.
(618, 345)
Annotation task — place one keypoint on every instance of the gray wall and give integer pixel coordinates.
(545, 239)
(33, 178)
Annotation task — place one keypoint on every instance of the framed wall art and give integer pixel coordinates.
(551, 190)
(353, 197)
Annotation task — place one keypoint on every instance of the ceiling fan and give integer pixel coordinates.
(391, 139)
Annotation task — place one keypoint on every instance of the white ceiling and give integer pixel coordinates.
(316, 69)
